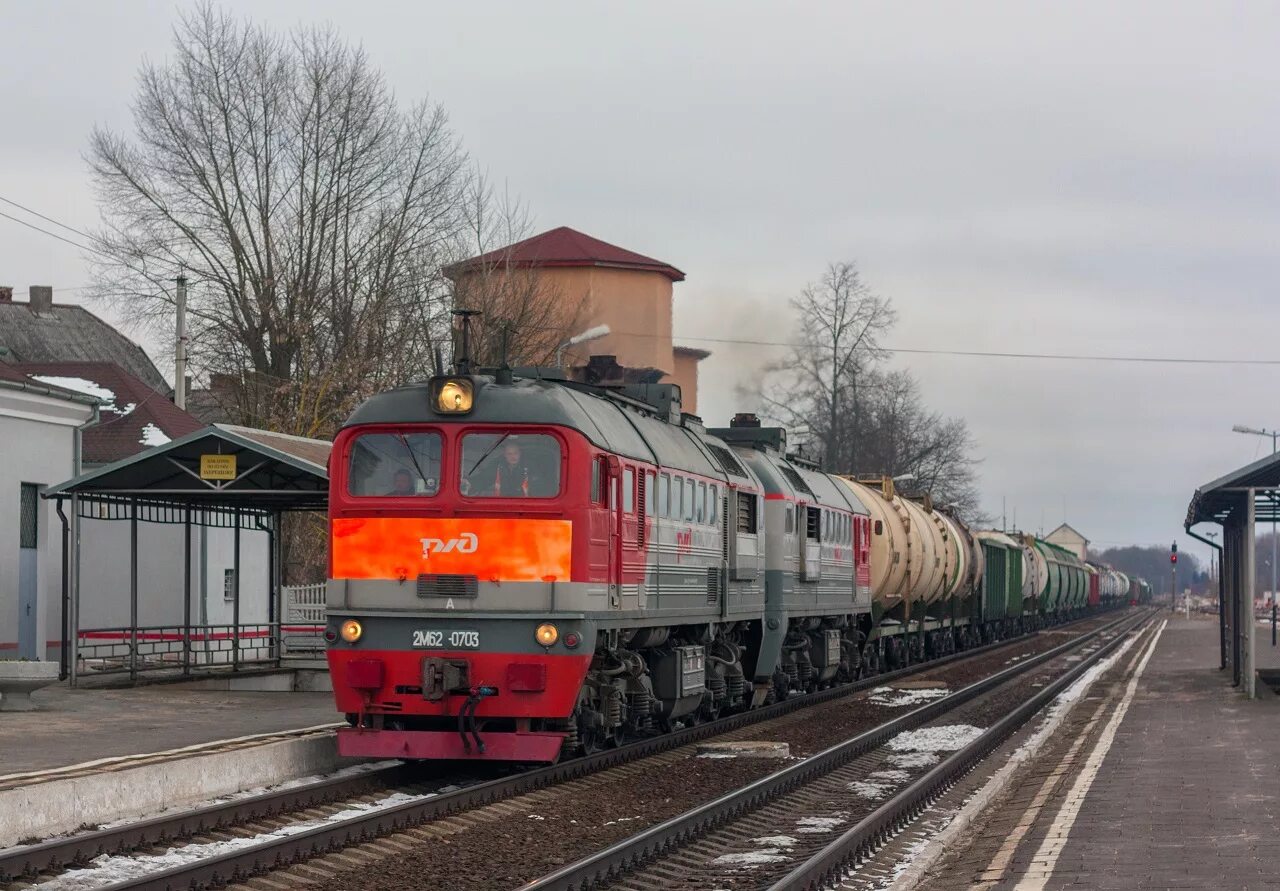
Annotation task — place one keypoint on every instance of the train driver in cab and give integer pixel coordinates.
(402, 484)
(512, 478)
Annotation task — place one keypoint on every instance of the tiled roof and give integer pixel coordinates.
(134, 415)
(565, 247)
(69, 333)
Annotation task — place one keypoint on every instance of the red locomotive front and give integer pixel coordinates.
(462, 561)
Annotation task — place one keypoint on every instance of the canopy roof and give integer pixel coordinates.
(1226, 498)
(270, 471)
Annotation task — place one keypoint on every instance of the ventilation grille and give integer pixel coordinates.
(793, 476)
(447, 585)
(28, 515)
(724, 529)
(715, 580)
(642, 508)
(726, 459)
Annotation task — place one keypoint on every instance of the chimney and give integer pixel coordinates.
(6, 294)
(41, 297)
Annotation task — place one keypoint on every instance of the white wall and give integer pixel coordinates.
(104, 567)
(37, 442)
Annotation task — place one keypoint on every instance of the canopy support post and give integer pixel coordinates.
(133, 588)
(235, 596)
(186, 592)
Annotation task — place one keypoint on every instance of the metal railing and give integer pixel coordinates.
(159, 648)
(302, 632)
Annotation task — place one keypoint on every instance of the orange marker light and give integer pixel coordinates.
(547, 634)
(351, 630)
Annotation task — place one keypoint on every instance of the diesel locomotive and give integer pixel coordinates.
(524, 566)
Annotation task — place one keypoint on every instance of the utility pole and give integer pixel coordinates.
(180, 347)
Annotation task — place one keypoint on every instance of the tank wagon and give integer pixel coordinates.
(524, 566)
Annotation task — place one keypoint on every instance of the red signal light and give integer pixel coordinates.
(1173, 558)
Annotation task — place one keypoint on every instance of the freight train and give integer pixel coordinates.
(524, 567)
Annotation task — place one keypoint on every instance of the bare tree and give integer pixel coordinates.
(865, 418)
(311, 211)
(521, 310)
(841, 321)
(900, 436)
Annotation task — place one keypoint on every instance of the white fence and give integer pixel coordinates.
(302, 631)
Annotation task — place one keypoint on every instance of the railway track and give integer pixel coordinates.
(772, 833)
(293, 824)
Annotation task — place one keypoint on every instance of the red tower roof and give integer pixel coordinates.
(565, 247)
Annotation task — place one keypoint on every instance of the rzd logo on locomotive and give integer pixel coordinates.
(466, 543)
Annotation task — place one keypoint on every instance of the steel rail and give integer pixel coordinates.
(33, 859)
(863, 839)
(610, 863)
(29, 860)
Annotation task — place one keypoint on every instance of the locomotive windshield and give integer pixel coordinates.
(509, 465)
(395, 465)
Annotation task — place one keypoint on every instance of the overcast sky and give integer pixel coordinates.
(1057, 178)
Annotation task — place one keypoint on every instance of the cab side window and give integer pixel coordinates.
(664, 494)
(628, 490)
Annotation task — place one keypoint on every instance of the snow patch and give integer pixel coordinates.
(947, 738)
(775, 841)
(911, 760)
(815, 825)
(870, 790)
(153, 435)
(752, 859)
(623, 820)
(80, 385)
(108, 868)
(717, 755)
(536, 817)
(891, 698)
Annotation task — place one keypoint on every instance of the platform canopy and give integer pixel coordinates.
(220, 466)
(1237, 502)
(1227, 497)
(237, 478)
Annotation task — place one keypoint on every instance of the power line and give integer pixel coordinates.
(980, 354)
(45, 218)
(731, 341)
(53, 235)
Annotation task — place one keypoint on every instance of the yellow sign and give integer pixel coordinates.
(217, 467)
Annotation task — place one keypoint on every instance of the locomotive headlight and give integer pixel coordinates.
(351, 630)
(547, 634)
(454, 397)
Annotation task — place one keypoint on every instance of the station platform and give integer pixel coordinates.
(1162, 776)
(93, 755)
(72, 726)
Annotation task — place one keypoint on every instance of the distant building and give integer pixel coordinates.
(629, 292)
(42, 331)
(1066, 537)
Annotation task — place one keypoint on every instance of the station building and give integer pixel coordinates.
(591, 283)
